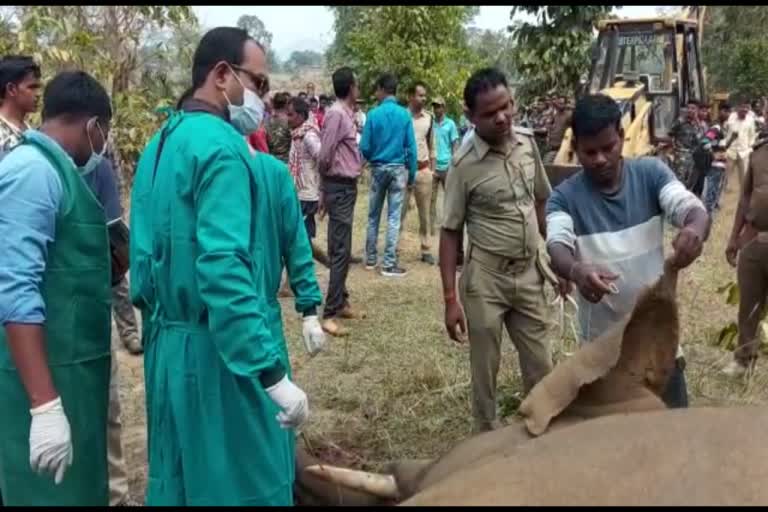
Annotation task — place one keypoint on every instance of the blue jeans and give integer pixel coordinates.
(387, 181)
(713, 188)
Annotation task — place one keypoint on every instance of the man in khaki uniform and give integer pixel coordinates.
(749, 246)
(426, 149)
(498, 188)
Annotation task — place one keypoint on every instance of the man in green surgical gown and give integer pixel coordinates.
(221, 407)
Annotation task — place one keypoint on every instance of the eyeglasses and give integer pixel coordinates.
(259, 81)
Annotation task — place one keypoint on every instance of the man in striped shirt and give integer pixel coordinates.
(605, 225)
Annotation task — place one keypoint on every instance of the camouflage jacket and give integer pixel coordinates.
(9, 135)
(278, 138)
(686, 136)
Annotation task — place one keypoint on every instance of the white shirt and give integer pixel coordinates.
(747, 134)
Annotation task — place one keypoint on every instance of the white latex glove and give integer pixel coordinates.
(50, 440)
(293, 402)
(314, 337)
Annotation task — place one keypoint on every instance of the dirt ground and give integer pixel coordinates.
(399, 387)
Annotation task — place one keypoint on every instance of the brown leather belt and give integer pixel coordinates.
(498, 262)
(423, 165)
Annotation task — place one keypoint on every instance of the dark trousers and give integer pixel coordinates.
(340, 197)
(308, 210)
(697, 179)
(676, 394)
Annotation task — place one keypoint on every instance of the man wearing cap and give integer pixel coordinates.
(447, 139)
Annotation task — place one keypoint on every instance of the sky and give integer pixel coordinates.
(310, 27)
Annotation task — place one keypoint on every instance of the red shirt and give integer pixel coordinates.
(319, 117)
(258, 140)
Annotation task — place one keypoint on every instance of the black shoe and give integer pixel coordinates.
(393, 272)
(428, 259)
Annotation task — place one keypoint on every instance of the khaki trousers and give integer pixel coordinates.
(422, 191)
(496, 292)
(438, 182)
(753, 289)
(125, 316)
(118, 477)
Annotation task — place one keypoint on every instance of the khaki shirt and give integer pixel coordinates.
(421, 124)
(493, 190)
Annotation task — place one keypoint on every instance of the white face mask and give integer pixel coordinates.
(246, 118)
(96, 158)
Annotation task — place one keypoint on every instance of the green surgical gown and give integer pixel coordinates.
(200, 264)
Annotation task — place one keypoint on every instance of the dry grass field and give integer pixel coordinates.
(398, 387)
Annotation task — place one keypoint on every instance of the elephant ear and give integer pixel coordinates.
(624, 370)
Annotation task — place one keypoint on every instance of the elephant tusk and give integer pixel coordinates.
(383, 486)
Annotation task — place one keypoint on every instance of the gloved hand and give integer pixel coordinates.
(314, 337)
(50, 440)
(293, 402)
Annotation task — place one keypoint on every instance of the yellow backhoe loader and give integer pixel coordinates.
(652, 68)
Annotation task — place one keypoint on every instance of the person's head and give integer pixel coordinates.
(386, 85)
(297, 113)
(417, 95)
(743, 109)
(77, 113)
(598, 137)
(489, 105)
(704, 113)
(724, 112)
(560, 103)
(229, 68)
(280, 101)
(345, 84)
(313, 104)
(692, 111)
(323, 103)
(311, 89)
(303, 95)
(20, 83)
(438, 107)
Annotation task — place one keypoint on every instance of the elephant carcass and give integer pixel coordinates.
(699, 456)
(622, 372)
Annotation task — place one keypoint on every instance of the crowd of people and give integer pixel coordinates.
(707, 150)
(224, 210)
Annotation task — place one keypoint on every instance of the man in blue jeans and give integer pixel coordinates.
(389, 145)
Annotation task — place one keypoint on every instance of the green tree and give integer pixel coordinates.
(257, 30)
(554, 53)
(427, 43)
(494, 48)
(166, 58)
(108, 42)
(734, 49)
(303, 59)
(345, 20)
